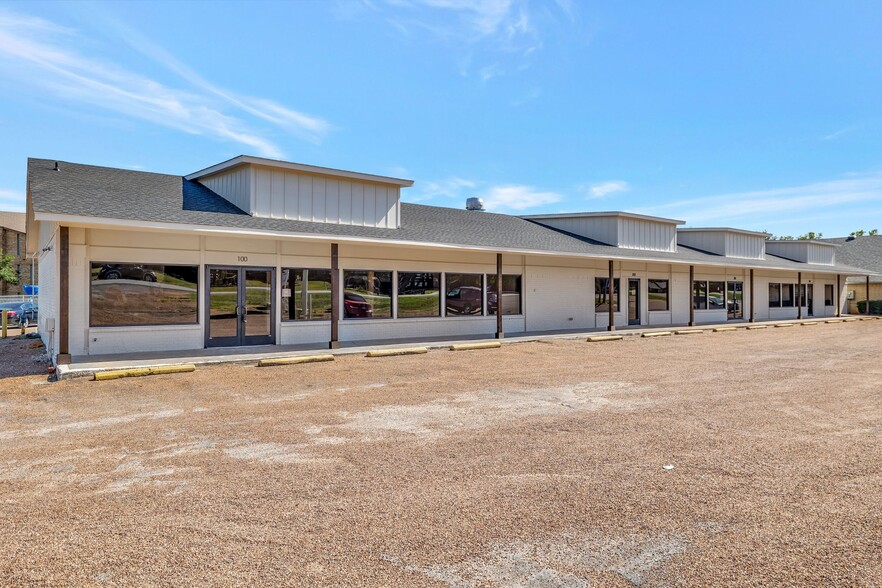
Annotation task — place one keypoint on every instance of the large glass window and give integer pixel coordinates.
(601, 295)
(828, 294)
(699, 295)
(306, 294)
(465, 294)
(774, 295)
(367, 294)
(716, 295)
(787, 295)
(511, 294)
(124, 294)
(419, 294)
(658, 295)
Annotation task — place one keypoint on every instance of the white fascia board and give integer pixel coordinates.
(608, 214)
(801, 241)
(111, 223)
(724, 230)
(301, 167)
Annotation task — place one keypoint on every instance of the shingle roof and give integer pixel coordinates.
(92, 191)
(865, 252)
(13, 220)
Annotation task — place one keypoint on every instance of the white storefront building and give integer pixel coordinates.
(261, 252)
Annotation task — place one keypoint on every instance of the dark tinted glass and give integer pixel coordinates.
(419, 294)
(139, 294)
(367, 294)
(699, 295)
(716, 295)
(828, 295)
(658, 295)
(465, 294)
(774, 295)
(787, 295)
(511, 294)
(601, 295)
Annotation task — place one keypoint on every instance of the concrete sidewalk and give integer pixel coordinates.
(83, 366)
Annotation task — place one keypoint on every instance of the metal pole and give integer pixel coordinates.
(499, 333)
(692, 295)
(751, 319)
(868, 294)
(335, 297)
(838, 295)
(5, 322)
(799, 295)
(609, 299)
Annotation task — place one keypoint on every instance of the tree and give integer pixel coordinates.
(7, 269)
(811, 235)
(861, 233)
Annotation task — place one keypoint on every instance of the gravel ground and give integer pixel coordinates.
(21, 356)
(538, 464)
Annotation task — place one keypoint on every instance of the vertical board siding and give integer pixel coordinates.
(805, 252)
(619, 231)
(297, 196)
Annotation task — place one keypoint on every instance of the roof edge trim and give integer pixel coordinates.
(611, 213)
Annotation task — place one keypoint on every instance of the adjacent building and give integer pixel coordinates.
(13, 242)
(866, 252)
(254, 251)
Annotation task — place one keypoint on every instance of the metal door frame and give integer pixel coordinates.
(726, 296)
(635, 321)
(242, 339)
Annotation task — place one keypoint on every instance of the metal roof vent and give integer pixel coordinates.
(57, 167)
(850, 238)
(475, 204)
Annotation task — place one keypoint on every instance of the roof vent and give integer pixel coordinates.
(475, 204)
(850, 238)
(57, 167)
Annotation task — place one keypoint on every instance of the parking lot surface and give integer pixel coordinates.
(751, 458)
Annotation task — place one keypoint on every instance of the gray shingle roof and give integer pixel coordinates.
(92, 191)
(864, 252)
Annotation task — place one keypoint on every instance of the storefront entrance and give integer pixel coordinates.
(633, 302)
(734, 300)
(240, 306)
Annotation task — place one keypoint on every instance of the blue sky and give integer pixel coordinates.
(762, 115)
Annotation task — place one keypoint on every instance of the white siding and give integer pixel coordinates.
(723, 242)
(710, 241)
(806, 252)
(626, 232)
(745, 246)
(234, 185)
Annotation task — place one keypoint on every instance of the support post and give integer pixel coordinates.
(335, 297)
(609, 298)
(692, 295)
(799, 295)
(499, 332)
(838, 295)
(63, 295)
(752, 315)
(868, 294)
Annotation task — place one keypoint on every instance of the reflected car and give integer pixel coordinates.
(126, 272)
(355, 306)
(21, 313)
(464, 300)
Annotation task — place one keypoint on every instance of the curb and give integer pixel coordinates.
(139, 372)
(782, 325)
(657, 334)
(725, 329)
(272, 361)
(755, 327)
(598, 338)
(394, 352)
(689, 332)
(471, 346)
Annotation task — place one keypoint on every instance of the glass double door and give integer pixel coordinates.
(240, 306)
(734, 300)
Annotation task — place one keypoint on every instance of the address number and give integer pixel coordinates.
(243, 258)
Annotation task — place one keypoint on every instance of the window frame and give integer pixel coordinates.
(281, 298)
(699, 306)
(667, 282)
(616, 294)
(482, 289)
(342, 301)
(198, 312)
(397, 296)
(776, 285)
(831, 300)
(792, 301)
(520, 282)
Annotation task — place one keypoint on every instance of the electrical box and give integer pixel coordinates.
(50, 325)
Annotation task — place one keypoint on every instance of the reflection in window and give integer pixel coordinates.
(828, 294)
(511, 294)
(465, 294)
(658, 295)
(306, 294)
(716, 295)
(601, 295)
(699, 295)
(787, 295)
(137, 294)
(774, 295)
(367, 294)
(419, 294)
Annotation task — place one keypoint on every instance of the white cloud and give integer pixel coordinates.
(12, 200)
(515, 197)
(762, 207)
(604, 189)
(38, 56)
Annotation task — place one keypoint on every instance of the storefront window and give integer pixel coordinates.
(601, 295)
(658, 295)
(306, 294)
(126, 294)
(511, 294)
(465, 294)
(367, 294)
(419, 294)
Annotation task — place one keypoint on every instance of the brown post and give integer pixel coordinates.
(609, 299)
(868, 294)
(63, 295)
(799, 295)
(838, 295)
(692, 295)
(499, 333)
(751, 319)
(335, 297)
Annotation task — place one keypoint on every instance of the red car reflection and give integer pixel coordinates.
(355, 306)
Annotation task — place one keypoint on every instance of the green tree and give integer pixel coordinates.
(7, 269)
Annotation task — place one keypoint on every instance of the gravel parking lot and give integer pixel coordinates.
(538, 464)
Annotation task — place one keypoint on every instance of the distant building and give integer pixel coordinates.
(864, 252)
(13, 241)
